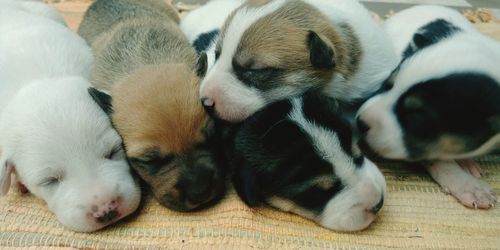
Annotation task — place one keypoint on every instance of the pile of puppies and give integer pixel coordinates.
(264, 93)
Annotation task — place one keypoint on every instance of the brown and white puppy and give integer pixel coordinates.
(149, 67)
(271, 50)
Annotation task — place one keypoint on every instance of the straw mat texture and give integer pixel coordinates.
(416, 215)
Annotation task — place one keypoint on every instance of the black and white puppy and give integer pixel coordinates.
(298, 155)
(275, 49)
(442, 103)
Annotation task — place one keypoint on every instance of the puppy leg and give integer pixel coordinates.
(469, 190)
(471, 167)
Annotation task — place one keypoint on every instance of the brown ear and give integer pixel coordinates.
(321, 53)
(6, 171)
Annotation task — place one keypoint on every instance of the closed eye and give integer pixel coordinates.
(50, 181)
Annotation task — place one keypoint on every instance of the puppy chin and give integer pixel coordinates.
(233, 114)
(384, 148)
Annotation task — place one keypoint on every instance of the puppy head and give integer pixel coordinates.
(165, 131)
(270, 50)
(435, 106)
(62, 147)
(298, 156)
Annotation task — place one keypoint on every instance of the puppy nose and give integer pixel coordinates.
(208, 104)
(362, 126)
(106, 212)
(204, 187)
(109, 216)
(377, 207)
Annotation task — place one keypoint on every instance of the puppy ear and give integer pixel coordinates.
(202, 64)
(245, 183)
(102, 99)
(495, 123)
(6, 170)
(320, 53)
(420, 41)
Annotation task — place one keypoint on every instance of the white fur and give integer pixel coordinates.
(53, 136)
(210, 16)
(207, 18)
(378, 58)
(467, 50)
(364, 186)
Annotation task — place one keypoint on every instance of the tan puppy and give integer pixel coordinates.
(149, 67)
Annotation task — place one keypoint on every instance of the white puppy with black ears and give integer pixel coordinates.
(442, 103)
(269, 50)
(56, 141)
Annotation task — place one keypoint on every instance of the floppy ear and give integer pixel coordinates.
(245, 183)
(320, 53)
(495, 123)
(102, 99)
(202, 64)
(420, 41)
(6, 170)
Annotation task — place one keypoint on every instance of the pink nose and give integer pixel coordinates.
(107, 211)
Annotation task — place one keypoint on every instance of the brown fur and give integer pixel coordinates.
(149, 67)
(170, 122)
(278, 34)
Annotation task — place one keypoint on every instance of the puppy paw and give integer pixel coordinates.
(462, 184)
(471, 167)
(473, 193)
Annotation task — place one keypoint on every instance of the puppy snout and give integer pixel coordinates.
(362, 126)
(106, 212)
(208, 104)
(378, 206)
(204, 186)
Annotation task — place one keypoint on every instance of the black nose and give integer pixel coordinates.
(208, 104)
(204, 182)
(379, 205)
(107, 217)
(362, 126)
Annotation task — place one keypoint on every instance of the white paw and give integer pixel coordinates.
(472, 192)
(461, 182)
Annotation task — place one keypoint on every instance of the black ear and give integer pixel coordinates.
(495, 123)
(421, 41)
(102, 99)
(320, 54)
(202, 64)
(245, 183)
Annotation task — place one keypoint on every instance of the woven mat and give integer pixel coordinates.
(416, 215)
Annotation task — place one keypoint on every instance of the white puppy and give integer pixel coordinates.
(274, 49)
(53, 137)
(443, 101)
(202, 26)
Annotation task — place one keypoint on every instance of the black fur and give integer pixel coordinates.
(205, 40)
(273, 157)
(430, 34)
(321, 55)
(102, 99)
(462, 105)
(202, 64)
